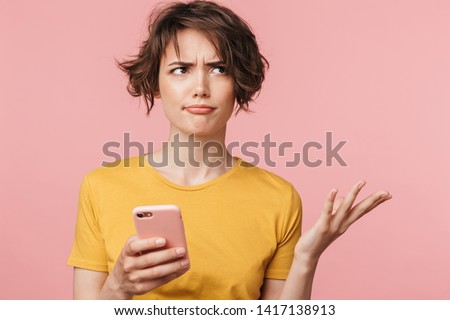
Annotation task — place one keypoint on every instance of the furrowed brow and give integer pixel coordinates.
(215, 63)
(189, 64)
(181, 64)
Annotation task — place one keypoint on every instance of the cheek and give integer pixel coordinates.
(169, 94)
(174, 91)
(227, 91)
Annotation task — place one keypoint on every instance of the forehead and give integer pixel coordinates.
(192, 45)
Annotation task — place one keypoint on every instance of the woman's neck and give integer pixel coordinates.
(189, 159)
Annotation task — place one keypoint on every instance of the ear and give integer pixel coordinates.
(157, 94)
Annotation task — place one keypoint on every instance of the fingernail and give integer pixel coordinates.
(361, 184)
(184, 263)
(384, 194)
(160, 241)
(180, 251)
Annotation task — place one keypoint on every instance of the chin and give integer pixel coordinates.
(201, 128)
(201, 132)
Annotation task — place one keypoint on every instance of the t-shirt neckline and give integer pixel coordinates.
(200, 186)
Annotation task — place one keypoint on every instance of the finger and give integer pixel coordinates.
(147, 286)
(159, 282)
(328, 207)
(381, 199)
(135, 246)
(162, 270)
(350, 198)
(154, 258)
(368, 204)
(337, 204)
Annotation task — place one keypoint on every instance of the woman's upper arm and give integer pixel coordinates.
(87, 283)
(271, 289)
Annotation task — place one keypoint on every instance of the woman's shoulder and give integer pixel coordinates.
(116, 169)
(263, 176)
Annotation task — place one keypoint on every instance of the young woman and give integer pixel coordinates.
(242, 223)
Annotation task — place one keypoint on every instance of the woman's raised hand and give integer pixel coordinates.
(337, 216)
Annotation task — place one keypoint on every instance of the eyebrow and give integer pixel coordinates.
(189, 64)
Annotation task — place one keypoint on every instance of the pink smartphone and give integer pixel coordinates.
(161, 221)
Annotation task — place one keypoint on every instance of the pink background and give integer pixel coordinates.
(375, 73)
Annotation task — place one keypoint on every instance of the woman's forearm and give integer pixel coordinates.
(299, 282)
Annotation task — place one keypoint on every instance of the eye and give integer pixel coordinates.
(219, 70)
(179, 70)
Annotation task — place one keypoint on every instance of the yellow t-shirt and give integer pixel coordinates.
(240, 227)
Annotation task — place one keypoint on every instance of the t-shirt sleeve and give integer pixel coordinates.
(288, 234)
(88, 250)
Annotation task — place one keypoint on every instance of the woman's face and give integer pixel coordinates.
(196, 92)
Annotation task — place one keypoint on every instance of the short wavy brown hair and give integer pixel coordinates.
(230, 35)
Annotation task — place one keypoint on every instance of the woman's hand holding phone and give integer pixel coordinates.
(156, 255)
(143, 266)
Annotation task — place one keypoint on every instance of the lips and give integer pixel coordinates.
(199, 109)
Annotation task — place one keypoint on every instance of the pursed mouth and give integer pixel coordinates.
(199, 109)
(199, 106)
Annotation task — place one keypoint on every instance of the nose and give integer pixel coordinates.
(201, 86)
